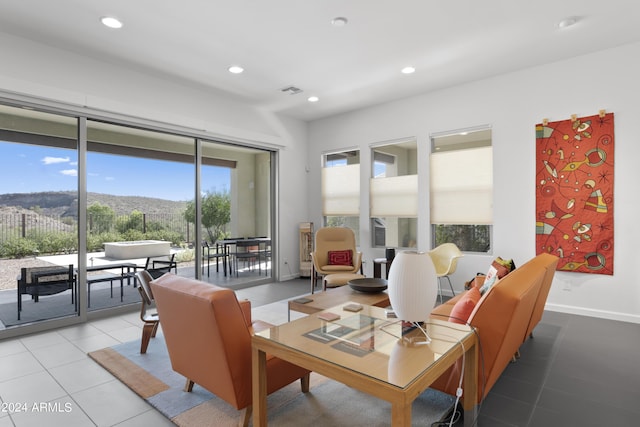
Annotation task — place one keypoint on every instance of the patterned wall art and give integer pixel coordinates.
(574, 192)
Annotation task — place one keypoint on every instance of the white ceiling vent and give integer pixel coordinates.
(291, 90)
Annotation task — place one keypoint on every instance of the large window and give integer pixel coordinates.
(394, 195)
(38, 217)
(341, 190)
(134, 186)
(462, 189)
(138, 182)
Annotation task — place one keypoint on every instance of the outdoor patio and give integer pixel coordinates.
(106, 294)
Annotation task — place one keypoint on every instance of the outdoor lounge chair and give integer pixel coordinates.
(43, 281)
(157, 266)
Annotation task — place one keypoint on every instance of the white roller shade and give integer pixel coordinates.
(341, 190)
(462, 186)
(395, 196)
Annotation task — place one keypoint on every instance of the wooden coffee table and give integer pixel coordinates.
(370, 353)
(332, 297)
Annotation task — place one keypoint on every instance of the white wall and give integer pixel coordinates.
(59, 78)
(512, 104)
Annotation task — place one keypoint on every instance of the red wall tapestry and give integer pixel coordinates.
(574, 192)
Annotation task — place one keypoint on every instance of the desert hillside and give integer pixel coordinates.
(65, 203)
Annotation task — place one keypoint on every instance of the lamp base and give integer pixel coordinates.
(414, 339)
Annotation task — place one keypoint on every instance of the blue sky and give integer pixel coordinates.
(28, 168)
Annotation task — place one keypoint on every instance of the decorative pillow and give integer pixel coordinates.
(464, 307)
(476, 282)
(498, 269)
(340, 257)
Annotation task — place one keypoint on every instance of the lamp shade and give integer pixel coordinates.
(412, 286)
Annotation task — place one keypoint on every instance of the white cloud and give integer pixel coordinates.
(109, 178)
(53, 160)
(69, 172)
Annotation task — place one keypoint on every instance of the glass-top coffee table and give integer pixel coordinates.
(314, 303)
(367, 351)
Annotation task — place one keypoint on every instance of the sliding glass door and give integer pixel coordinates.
(38, 217)
(237, 187)
(139, 183)
(132, 197)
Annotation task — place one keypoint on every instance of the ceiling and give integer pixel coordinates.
(282, 43)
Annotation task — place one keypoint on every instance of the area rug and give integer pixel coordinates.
(328, 403)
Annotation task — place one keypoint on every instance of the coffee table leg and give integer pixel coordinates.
(401, 414)
(259, 386)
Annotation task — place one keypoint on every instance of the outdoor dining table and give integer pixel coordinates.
(226, 243)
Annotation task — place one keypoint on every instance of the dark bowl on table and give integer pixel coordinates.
(368, 285)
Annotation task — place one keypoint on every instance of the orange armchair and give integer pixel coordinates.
(208, 335)
(334, 239)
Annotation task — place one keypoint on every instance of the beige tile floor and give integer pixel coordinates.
(52, 368)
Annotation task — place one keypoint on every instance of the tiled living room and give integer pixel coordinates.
(325, 83)
(567, 375)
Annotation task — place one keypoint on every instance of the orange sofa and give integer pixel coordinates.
(504, 317)
(208, 335)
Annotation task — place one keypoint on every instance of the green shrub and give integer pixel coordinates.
(132, 235)
(131, 222)
(95, 242)
(54, 242)
(18, 247)
(168, 236)
(185, 255)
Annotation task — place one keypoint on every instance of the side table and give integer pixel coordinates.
(377, 268)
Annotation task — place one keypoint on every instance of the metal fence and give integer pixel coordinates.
(19, 225)
(23, 225)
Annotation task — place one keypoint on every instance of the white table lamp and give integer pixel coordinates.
(413, 286)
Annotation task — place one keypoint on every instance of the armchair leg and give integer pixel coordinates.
(245, 416)
(451, 286)
(188, 387)
(304, 383)
(155, 329)
(148, 330)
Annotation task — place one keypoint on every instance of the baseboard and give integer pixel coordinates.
(284, 278)
(602, 314)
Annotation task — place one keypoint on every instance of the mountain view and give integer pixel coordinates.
(65, 203)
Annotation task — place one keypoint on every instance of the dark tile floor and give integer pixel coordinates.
(575, 371)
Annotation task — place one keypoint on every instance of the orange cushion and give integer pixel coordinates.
(340, 257)
(465, 305)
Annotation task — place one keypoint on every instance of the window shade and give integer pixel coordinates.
(462, 186)
(395, 196)
(341, 190)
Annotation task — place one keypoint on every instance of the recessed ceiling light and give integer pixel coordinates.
(313, 99)
(111, 22)
(340, 21)
(568, 22)
(408, 70)
(236, 69)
